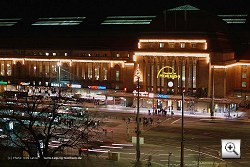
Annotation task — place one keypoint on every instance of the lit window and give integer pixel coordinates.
(117, 55)
(244, 75)
(39, 83)
(47, 70)
(161, 45)
(34, 82)
(128, 55)
(244, 67)
(119, 20)
(117, 75)
(83, 71)
(105, 72)
(244, 84)
(193, 45)
(58, 21)
(182, 45)
(46, 83)
(47, 54)
(90, 71)
(65, 54)
(9, 69)
(97, 74)
(9, 22)
(54, 68)
(54, 54)
(171, 45)
(2, 70)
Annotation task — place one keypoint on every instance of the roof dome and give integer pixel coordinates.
(190, 19)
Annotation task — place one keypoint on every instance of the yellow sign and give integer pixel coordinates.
(172, 74)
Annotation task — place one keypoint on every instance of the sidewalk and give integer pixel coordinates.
(199, 114)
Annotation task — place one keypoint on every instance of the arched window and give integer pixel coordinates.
(117, 72)
(65, 71)
(18, 69)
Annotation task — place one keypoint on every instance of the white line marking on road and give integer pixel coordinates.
(205, 154)
(178, 156)
(210, 149)
(192, 154)
(129, 153)
(158, 150)
(163, 154)
(244, 162)
(176, 121)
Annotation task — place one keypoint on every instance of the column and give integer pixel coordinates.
(176, 79)
(155, 75)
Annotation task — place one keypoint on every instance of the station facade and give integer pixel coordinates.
(168, 61)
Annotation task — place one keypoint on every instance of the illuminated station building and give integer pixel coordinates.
(182, 49)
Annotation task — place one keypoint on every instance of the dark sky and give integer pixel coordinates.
(34, 8)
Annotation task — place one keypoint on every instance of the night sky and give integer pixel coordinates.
(36, 8)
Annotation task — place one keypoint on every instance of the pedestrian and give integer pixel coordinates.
(151, 120)
(128, 119)
(172, 113)
(149, 160)
(158, 121)
(127, 131)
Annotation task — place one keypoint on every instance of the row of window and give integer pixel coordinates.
(171, 45)
(82, 70)
(244, 76)
(182, 45)
(82, 54)
(8, 68)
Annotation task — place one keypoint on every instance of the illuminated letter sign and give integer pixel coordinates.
(97, 87)
(162, 96)
(171, 74)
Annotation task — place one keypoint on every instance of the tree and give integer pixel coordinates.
(43, 128)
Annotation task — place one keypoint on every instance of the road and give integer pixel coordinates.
(202, 145)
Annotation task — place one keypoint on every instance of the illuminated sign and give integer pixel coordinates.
(162, 96)
(76, 86)
(97, 87)
(170, 74)
(3, 83)
(144, 94)
(24, 83)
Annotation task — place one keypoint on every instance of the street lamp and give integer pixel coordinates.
(87, 112)
(212, 105)
(137, 75)
(59, 78)
(182, 129)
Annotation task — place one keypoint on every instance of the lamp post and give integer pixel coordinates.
(59, 78)
(87, 112)
(137, 116)
(212, 105)
(182, 129)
